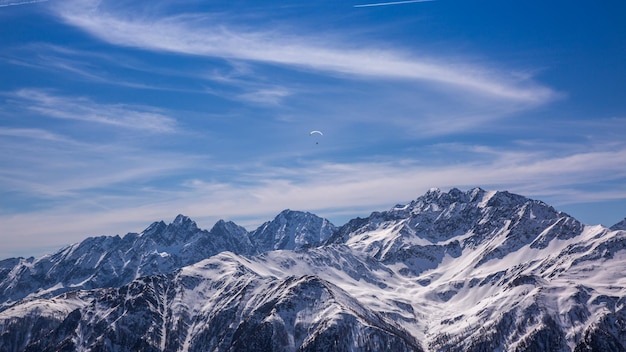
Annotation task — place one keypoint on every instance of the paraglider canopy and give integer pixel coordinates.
(314, 133)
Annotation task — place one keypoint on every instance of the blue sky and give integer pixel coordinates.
(114, 114)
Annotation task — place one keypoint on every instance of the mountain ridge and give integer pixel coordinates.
(112, 261)
(449, 271)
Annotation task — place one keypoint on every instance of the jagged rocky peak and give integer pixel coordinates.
(226, 235)
(620, 225)
(292, 230)
(450, 271)
(478, 202)
(435, 199)
(184, 222)
(229, 227)
(181, 222)
(112, 261)
(472, 217)
(179, 230)
(506, 199)
(155, 227)
(435, 195)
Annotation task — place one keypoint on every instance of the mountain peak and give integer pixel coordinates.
(180, 224)
(290, 214)
(179, 231)
(477, 193)
(454, 220)
(184, 222)
(506, 199)
(222, 226)
(155, 227)
(620, 225)
(459, 270)
(437, 198)
(292, 230)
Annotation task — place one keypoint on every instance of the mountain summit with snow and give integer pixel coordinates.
(450, 271)
(292, 230)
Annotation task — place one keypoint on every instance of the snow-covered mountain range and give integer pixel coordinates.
(450, 271)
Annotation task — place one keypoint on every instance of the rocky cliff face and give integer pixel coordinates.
(619, 226)
(450, 271)
(292, 230)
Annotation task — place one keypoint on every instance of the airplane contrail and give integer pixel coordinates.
(6, 3)
(391, 3)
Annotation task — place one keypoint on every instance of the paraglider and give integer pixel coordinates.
(314, 133)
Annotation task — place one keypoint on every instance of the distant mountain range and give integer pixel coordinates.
(449, 271)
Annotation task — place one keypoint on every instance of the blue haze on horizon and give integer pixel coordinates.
(115, 114)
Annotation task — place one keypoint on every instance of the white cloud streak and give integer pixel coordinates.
(82, 109)
(72, 174)
(391, 3)
(32, 133)
(54, 168)
(269, 96)
(17, 3)
(332, 190)
(96, 67)
(193, 35)
(59, 162)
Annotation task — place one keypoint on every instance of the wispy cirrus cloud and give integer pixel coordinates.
(337, 190)
(333, 190)
(233, 93)
(216, 37)
(268, 96)
(390, 3)
(5, 3)
(98, 67)
(48, 167)
(83, 109)
(32, 133)
(55, 163)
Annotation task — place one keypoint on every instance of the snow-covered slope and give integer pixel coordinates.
(419, 235)
(450, 271)
(111, 261)
(224, 303)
